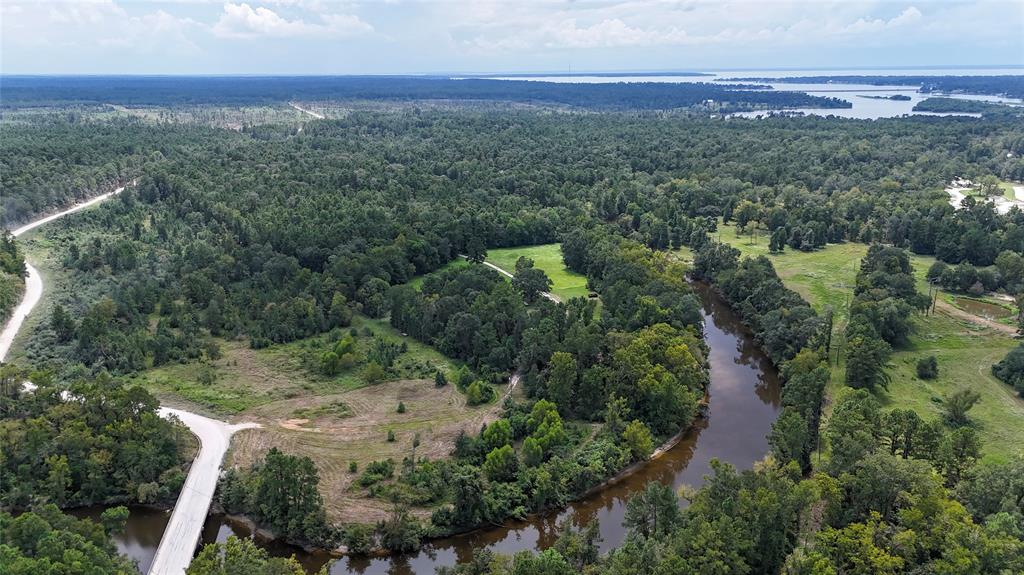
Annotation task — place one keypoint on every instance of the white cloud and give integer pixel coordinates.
(244, 21)
(669, 23)
(867, 26)
(154, 32)
(86, 12)
(96, 26)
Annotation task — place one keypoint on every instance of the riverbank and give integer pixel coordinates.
(965, 345)
(743, 401)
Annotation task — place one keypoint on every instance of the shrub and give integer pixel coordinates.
(1010, 370)
(391, 436)
(401, 407)
(377, 471)
(373, 373)
(359, 539)
(958, 404)
(353, 467)
(478, 392)
(928, 367)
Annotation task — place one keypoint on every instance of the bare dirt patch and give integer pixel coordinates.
(957, 313)
(437, 414)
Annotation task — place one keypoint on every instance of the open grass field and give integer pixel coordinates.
(565, 283)
(964, 346)
(1008, 191)
(824, 277)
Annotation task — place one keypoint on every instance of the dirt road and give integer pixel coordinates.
(179, 540)
(181, 536)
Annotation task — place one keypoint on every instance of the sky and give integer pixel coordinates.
(465, 36)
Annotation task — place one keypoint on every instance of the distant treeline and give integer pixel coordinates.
(959, 106)
(1008, 85)
(24, 91)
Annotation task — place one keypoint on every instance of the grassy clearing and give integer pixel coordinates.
(335, 430)
(1008, 191)
(565, 283)
(965, 351)
(333, 420)
(245, 378)
(824, 277)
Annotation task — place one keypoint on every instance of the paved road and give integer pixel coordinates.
(183, 530)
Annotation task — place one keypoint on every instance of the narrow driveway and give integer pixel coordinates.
(548, 295)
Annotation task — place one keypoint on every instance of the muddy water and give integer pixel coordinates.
(982, 308)
(744, 401)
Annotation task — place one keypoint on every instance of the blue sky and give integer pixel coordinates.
(461, 36)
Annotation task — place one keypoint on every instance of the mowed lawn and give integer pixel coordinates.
(965, 351)
(565, 283)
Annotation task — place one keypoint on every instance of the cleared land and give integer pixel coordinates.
(337, 429)
(335, 420)
(244, 378)
(548, 257)
(965, 345)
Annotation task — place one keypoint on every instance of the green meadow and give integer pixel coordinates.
(965, 350)
(565, 283)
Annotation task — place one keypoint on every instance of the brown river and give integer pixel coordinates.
(744, 402)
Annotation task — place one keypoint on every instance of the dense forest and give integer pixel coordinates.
(268, 235)
(23, 91)
(957, 105)
(106, 445)
(47, 541)
(377, 209)
(12, 275)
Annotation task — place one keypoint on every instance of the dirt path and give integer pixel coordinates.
(1002, 204)
(957, 313)
(550, 296)
(33, 281)
(305, 111)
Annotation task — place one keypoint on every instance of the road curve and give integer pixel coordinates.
(180, 538)
(178, 544)
(33, 282)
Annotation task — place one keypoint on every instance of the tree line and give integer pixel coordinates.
(106, 444)
(197, 90)
(12, 275)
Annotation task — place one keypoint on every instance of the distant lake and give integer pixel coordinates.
(863, 108)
